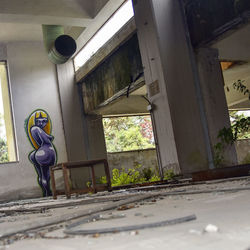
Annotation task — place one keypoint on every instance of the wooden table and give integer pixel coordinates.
(80, 164)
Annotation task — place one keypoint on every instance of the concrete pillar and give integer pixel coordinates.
(83, 134)
(212, 86)
(183, 108)
(172, 85)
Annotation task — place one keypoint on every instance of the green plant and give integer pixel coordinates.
(128, 133)
(168, 174)
(148, 173)
(135, 175)
(227, 136)
(88, 184)
(123, 176)
(155, 178)
(3, 151)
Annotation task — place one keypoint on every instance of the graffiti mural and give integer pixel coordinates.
(38, 127)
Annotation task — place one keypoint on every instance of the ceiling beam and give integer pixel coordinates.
(49, 20)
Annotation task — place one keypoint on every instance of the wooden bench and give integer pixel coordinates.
(66, 166)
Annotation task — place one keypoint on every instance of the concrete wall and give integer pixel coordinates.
(166, 57)
(243, 151)
(215, 105)
(128, 159)
(33, 84)
(83, 134)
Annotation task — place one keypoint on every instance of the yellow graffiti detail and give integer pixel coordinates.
(31, 122)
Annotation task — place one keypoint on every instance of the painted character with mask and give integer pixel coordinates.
(44, 155)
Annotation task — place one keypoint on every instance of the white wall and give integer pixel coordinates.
(33, 85)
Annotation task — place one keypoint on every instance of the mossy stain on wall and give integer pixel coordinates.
(113, 75)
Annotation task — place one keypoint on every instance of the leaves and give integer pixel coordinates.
(128, 133)
(3, 144)
(3, 151)
(135, 175)
(239, 129)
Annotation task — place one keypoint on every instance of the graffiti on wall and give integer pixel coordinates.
(38, 127)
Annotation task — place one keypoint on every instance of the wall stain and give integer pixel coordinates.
(113, 75)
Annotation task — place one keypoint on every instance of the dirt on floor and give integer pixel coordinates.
(205, 215)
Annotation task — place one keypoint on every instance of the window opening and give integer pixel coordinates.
(131, 151)
(107, 31)
(128, 133)
(7, 141)
(237, 116)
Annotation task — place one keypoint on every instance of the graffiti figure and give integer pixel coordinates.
(38, 128)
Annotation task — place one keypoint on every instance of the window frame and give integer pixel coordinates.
(89, 40)
(13, 126)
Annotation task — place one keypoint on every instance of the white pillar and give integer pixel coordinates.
(83, 134)
(212, 85)
(172, 85)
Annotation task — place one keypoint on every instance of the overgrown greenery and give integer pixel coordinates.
(239, 129)
(134, 175)
(3, 151)
(3, 144)
(128, 133)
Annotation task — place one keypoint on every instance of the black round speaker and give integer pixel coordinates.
(65, 45)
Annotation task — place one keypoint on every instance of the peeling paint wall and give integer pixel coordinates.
(114, 74)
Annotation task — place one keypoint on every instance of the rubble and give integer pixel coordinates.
(48, 219)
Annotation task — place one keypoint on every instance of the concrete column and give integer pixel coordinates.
(83, 134)
(172, 85)
(212, 86)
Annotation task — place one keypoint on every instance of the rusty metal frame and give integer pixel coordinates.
(66, 166)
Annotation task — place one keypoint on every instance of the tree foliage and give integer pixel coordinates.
(240, 125)
(3, 151)
(3, 145)
(239, 129)
(128, 133)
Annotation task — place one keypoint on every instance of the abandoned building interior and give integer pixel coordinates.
(125, 124)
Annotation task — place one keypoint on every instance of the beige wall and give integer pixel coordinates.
(33, 85)
(243, 151)
(146, 158)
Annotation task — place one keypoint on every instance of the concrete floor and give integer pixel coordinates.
(228, 211)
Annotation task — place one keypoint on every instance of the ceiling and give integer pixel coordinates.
(21, 20)
(236, 46)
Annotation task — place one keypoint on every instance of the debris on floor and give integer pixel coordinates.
(163, 213)
(210, 228)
